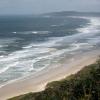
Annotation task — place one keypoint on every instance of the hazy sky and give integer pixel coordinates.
(42, 6)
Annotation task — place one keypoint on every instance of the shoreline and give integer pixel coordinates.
(37, 82)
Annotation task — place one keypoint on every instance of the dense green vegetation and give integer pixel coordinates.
(85, 85)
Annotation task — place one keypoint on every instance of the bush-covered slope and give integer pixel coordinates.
(85, 85)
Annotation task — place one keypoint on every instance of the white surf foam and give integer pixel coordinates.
(91, 27)
(33, 53)
(41, 32)
(28, 52)
(94, 40)
(1, 46)
(14, 32)
(32, 32)
(35, 32)
(4, 69)
(24, 60)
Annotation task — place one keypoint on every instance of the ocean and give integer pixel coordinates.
(29, 44)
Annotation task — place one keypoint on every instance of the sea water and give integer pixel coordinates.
(28, 44)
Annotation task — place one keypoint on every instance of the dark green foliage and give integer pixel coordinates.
(85, 85)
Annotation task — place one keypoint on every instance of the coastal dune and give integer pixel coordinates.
(38, 81)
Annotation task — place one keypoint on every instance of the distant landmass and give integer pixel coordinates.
(73, 13)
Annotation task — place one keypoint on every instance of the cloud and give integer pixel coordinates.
(41, 6)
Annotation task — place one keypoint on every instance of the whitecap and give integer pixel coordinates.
(91, 27)
(1, 46)
(54, 25)
(35, 32)
(14, 32)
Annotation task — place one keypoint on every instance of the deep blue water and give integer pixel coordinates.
(24, 29)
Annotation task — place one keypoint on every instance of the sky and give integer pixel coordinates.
(43, 6)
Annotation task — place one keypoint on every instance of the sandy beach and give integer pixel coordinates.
(37, 82)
